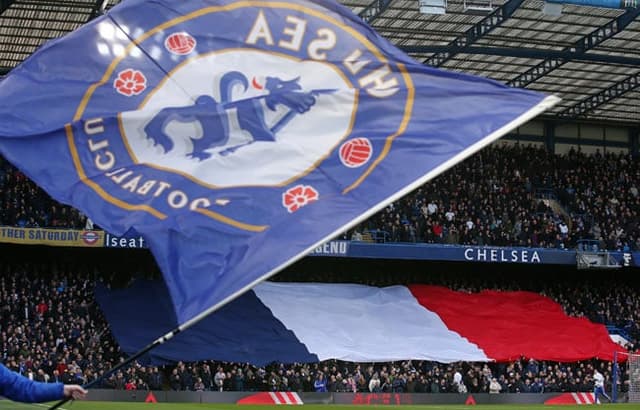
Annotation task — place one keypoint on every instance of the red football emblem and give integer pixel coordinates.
(180, 43)
(356, 152)
(298, 196)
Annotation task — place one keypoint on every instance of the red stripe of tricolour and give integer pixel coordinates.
(510, 325)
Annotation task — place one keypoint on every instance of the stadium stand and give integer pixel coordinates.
(24, 204)
(497, 197)
(51, 329)
(516, 195)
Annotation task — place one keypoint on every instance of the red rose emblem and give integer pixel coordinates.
(130, 82)
(298, 196)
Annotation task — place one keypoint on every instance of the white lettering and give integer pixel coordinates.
(115, 172)
(102, 165)
(199, 203)
(514, 256)
(94, 126)
(161, 188)
(326, 41)
(295, 33)
(118, 179)
(177, 199)
(132, 184)
(381, 87)
(482, 255)
(525, 256)
(535, 257)
(353, 62)
(93, 147)
(146, 187)
(107, 164)
(468, 254)
(260, 30)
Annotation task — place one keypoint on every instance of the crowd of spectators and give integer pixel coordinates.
(51, 329)
(24, 204)
(521, 376)
(502, 196)
(506, 196)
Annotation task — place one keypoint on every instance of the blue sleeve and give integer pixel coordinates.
(19, 388)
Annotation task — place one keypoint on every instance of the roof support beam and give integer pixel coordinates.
(583, 45)
(484, 26)
(5, 4)
(634, 141)
(602, 97)
(374, 10)
(529, 53)
(98, 9)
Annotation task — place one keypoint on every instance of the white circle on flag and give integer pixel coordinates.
(238, 156)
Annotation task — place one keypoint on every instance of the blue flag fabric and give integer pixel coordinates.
(236, 136)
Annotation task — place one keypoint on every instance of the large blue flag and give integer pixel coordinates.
(236, 136)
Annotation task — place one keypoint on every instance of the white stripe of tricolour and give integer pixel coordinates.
(274, 397)
(361, 323)
(284, 397)
(587, 397)
(545, 104)
(295, 398)
(576, 398)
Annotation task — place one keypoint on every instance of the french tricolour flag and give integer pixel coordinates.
(308, 322)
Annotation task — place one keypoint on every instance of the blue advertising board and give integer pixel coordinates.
(461, 253)
(423, 251)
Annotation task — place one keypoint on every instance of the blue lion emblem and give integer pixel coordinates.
(213, 115)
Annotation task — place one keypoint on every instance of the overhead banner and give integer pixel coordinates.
(51, 237)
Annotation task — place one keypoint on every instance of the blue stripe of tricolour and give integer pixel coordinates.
(242, 331)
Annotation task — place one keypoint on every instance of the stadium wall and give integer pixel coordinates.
(425, 251)
(345, 249)
(335, 398)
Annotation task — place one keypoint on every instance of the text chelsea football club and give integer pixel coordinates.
(377, 83)
(105, 160)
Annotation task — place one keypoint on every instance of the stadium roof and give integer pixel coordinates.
(589, 56)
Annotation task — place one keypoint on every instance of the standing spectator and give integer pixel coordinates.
(320, 384)
(130, 385)
(155, 380)
(219, 378)
(238, 380)
(174, 380)
(198, 385)
(494, 386)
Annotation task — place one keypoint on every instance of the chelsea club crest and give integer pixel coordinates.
(232, 106)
